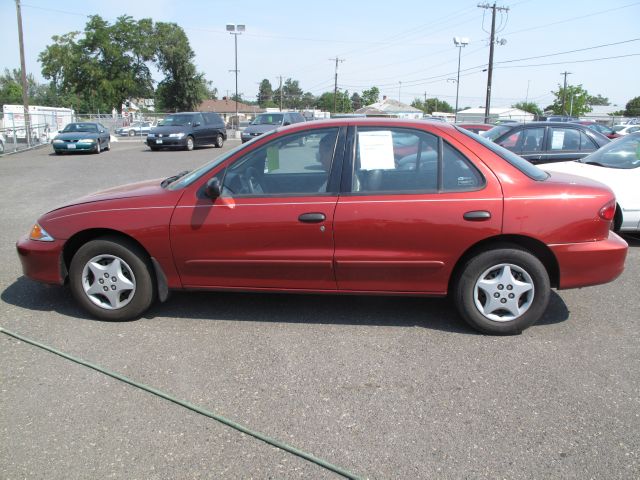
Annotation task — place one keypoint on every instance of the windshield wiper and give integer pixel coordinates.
(597, 164)
(172, 179)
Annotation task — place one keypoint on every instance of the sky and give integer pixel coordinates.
(405, 47)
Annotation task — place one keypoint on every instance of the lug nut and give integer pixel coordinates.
(500, 287)
(113, 287)
(114, 279)
(503, 300)
(511, 295)
(496, 295)
(106, 289)
(509, 287)
(101, 280)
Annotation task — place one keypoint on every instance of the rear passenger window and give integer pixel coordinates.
(405, 160)
(586, 143)
(565, 139)
(458, 173)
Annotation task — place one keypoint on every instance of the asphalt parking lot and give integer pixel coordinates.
(383, 387)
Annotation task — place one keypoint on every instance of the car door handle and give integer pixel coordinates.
(312, 217)
(477, 215)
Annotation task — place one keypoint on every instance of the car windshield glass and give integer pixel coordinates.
(271, 119)
(176, 120)
(520, 163)
(623, 153)
(200, 171)
(80, 127)
(496, 131)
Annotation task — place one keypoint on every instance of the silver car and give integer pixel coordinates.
(137, 128)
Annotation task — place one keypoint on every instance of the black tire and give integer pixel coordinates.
(190, 144)
(219, 142)
(108, 147)
(154, 149)
(132, 284)
(98, 148)
(480, 280)
(132, 133)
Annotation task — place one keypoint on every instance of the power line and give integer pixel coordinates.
(572, 61)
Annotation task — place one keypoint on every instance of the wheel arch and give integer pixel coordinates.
(81, 238)
(533, 246)
(617, 218)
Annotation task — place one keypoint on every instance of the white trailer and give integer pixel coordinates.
(45, 121)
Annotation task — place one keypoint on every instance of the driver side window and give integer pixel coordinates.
(296, 164)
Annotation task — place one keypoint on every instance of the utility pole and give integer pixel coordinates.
(491, 44)
(564, 92)
(280, 92)
(335, 88)
(25, 90)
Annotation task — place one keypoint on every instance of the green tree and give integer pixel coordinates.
(308, 100)
(633, 107)
(530, 107)
(265, 94)
(183, 87)
(432, 105)
(343, 102)
(370, 96)
(598, 100)
(356, 101)
(576, 101)
(105, 66)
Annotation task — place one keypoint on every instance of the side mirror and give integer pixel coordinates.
(286, 123)
(213, 189)
(196, 124)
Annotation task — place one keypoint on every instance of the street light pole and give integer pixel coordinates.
(459, 42)
(236, 30)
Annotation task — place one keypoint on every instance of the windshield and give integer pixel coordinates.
(176, 120)
(270, 119)
(496, 131)
(623, 153)
(200, 171)
(81, 127)
(529, 169)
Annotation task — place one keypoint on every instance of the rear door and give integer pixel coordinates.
(202, 132)
(416, 202)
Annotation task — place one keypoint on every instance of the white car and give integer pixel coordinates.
(3, 141)
(626, 129)
(617, 165)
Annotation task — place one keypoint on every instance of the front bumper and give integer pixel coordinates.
(590, 263)
(75, 147)
(167, 142)
(42, 261)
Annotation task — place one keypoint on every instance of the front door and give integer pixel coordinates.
(272, 227)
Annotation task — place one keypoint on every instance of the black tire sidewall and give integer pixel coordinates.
(464, 290)
(136, 259)
(219, 141)
(190, 145)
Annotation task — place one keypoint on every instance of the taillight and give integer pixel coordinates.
(608, 211)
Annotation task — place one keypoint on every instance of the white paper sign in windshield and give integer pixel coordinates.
(557, 141)
(376, 150)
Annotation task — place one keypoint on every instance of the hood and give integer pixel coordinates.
(166, 130)
(75, 135)
(140, 189)
(260, 128)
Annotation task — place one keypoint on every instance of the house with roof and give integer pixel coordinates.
(390, 108)
(227, 109)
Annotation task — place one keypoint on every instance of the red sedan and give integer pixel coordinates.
(328, 207)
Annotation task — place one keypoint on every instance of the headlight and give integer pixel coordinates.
(40, 234)
(57, 140)
(176, 135)
(87, 140)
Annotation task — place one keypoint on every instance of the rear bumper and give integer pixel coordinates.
(590, 263)
(42, 261)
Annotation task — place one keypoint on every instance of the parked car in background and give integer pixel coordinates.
(188, 130)
(265, 122)
(606, 131)
(617, 165)
(622, 130)
(559, 118)
(136, 128)
(543, 142)
(476, 127)
(82, 137)
(326, 207)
